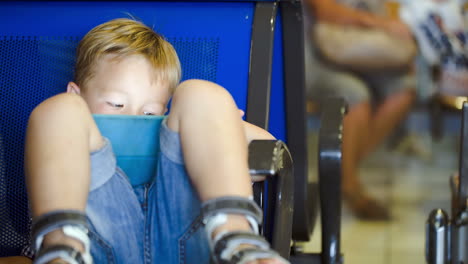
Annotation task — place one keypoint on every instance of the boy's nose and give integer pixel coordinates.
(136, 111)
(131, 111)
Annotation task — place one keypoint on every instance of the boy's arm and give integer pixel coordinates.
(254, 132)
(331, 11)
(15, 260)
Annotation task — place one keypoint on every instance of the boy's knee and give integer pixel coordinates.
(199, 98)
(65, 113)
(61, 109)
(192, 93)
(65, 104)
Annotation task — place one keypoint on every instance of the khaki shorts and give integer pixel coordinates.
(323, 81)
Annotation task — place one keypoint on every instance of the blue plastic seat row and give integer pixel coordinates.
(37, 49)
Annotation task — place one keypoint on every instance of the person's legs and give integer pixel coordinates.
(356, 130)
(57, 154)
(395, 93)
(174, 227)
(115, 214)
(214, 146)
(386, 118)
(60, 136)
(365, 127)
(71, 169)
(355, 133)
(218, 167)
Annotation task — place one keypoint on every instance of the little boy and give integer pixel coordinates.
(83, 206)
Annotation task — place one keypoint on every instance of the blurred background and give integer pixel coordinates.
(408, 172)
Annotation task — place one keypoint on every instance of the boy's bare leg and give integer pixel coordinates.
(214, 143)
(217, 167)
(61, 134)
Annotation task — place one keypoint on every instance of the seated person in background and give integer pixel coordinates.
(378, 100)
(123, 67)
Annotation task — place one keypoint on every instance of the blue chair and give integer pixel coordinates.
(252, 48)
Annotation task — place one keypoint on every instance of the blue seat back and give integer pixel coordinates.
(37, 49)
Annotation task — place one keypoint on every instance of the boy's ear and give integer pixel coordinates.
(73, 88)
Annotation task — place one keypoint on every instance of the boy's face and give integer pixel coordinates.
(124, 86)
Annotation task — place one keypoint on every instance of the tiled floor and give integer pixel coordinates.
(412, 187)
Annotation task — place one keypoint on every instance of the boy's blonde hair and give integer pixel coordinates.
(124, 37)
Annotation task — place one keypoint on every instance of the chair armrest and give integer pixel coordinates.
(271, 158)
(268, 157)
(459, 187)
(329, 165)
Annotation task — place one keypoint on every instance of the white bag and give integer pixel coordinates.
(362, 49)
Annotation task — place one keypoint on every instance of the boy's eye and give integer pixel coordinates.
(115, 105)
(148, 113)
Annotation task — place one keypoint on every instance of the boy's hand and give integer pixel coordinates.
(241, 112)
